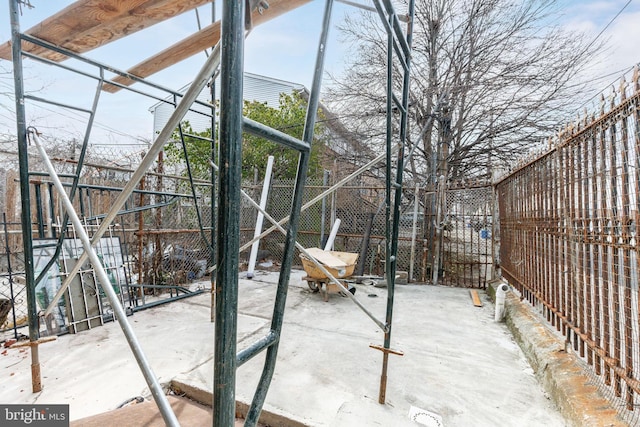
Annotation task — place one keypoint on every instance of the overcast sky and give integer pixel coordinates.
(284, 48)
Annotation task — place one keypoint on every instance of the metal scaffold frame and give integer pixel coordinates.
(228, 57)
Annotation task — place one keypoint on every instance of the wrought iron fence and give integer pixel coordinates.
(569, 241)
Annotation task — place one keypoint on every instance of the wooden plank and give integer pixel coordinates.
(326, 258)
(88, 24)
(196, 43)
(475, 298)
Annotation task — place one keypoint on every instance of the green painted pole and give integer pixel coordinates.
(228, 229)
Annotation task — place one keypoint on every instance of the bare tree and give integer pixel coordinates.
(492, 75)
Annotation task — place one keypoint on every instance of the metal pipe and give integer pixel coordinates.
(213, 194)
(194, 90)
(135, 190)
(254, 349)
(201, 182)
(57, 104)
(23, 161)
(138, 209)
(281, 138)
(141, 277)
(61, 175)
(228, 230)
(263, 204)
(154, 386)
(389, 254)
(164, 301)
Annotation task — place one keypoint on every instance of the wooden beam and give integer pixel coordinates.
(88, 24)
(196, 43)
(475, 298)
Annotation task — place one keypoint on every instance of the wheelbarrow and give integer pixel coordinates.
(339, 264)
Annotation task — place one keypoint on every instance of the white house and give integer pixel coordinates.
(256, 88)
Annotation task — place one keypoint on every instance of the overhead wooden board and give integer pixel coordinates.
(198, 42)
(88, 24)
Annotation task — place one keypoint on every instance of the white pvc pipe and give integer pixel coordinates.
(120, 315)
(332, 236)
(501, 294)
(263, 204)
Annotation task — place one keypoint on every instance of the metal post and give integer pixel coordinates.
(214, 172)
(228, 236)
(156, 390)
(16, 46)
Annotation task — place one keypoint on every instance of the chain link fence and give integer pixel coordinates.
(360, 209)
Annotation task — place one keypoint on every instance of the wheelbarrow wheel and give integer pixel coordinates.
(313, 285)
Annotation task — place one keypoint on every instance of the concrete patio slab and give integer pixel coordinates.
(458, 363)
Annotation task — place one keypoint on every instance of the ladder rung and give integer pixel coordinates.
(255, 348)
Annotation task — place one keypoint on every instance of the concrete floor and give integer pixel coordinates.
(458, 363)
